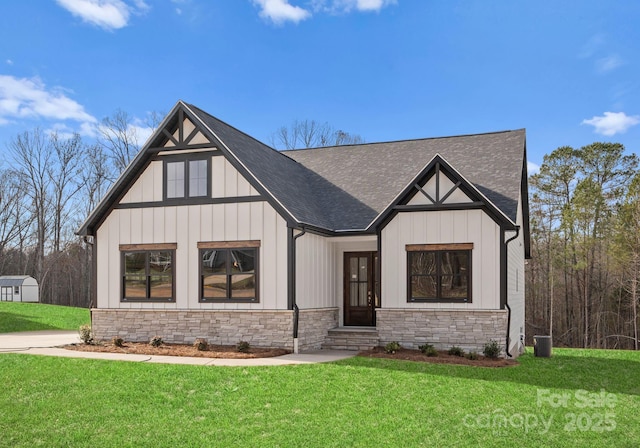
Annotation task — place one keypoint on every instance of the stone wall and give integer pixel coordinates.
(272, 328)
(314, 325)
(469, 329)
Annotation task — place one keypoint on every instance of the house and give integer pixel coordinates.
(19, 288)
(210, 233)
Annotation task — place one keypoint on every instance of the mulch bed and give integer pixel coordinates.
(442, 358)
(214, 351)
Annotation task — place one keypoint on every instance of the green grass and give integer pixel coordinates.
(16, 316)
(57, 402)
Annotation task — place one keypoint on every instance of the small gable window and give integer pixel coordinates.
(439, 272)
(229, 271)
(186, 179)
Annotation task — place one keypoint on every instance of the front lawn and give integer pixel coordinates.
(17, 316)
(576, 398)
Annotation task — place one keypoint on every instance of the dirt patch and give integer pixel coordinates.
(442, 358)
(214, 351)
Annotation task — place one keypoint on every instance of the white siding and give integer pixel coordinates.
(188, 225)
(443, 227)
(515, 285)
(315, 272)
(148, 187)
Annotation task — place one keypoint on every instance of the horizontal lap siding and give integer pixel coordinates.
(515, 286)
(442, 227)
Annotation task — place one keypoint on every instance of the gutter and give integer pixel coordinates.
(292, 285)
(506, 301)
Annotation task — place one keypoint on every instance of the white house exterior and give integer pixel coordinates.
(210, 233)
(19, 288)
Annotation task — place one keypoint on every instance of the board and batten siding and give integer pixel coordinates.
(442, 227)
(515, 284)
(186, 225)
(315, 272)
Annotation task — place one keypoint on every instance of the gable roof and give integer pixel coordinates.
(13, 280)
(342, 188)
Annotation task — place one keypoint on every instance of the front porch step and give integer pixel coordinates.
(351, 338)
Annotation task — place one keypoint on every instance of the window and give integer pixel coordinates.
(229, 271)
(439, 272)
(148, 275)
(187, 179)
(16, 290)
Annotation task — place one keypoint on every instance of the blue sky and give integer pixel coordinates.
(566, 71)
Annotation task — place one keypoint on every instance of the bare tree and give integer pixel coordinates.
(120, 137)
(31, 152)
(311, 134)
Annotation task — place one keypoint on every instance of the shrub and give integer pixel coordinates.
(243, 347)
(392, 347)
(473, 356)
(492, 349)
(201, 344)
(156, 341)
(85, 334)
(117, 341)
(428, 350)
(456, 351)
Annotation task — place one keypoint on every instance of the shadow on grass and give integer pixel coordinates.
(13, 322)
(615, 372)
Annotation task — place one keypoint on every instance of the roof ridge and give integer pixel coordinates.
(285, 151)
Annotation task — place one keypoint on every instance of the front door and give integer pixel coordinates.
(360, 298)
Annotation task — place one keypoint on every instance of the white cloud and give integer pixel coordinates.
(107, 14)
(30, 98)
(345, 6)
(532, 168)
(612, 123)
(609, 63)
(9, 62)
(280, 11)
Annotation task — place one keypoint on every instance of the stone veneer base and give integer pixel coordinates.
(268, 328)
(443, 328)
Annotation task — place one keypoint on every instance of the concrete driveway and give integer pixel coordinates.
(36, 339)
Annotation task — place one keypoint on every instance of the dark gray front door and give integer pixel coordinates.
(359, 288)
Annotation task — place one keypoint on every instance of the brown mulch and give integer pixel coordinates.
(214, 351)
(442, 358)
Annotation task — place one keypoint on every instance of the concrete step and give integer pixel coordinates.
(351, 338)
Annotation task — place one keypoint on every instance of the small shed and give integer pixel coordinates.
(19, 288)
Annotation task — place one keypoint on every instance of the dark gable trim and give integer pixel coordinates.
(231, 158)
(438, 166)
(191, 201)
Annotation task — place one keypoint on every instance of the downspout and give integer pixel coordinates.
(506, 300)
(89, 240)
(292, 286)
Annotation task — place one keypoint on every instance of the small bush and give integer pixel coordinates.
(392, 347)
(85, 334)
(473, 356)
(492, 349)
(428, 350)
(201, 344)
(117, 341)
(156, 341)
(243, 347)
(456, 351)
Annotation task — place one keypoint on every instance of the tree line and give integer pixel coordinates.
(582, 280)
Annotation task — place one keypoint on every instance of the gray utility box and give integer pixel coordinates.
(542, 346)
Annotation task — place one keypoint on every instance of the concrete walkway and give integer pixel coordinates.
(47, 343)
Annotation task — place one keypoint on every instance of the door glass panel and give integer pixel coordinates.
(353, 293)
(364, 289)
(353, 271)
(364, 271)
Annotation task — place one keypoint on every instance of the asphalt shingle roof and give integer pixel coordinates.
(344, 188)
